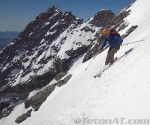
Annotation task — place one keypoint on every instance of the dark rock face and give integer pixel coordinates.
(60, 75)
(5, 109)
(37, 100)
(7, 105)
(63, 81)
(102, 18)
(23, 116)
(131, 29)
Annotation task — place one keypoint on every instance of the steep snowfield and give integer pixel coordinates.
(138, 14)
(122, 91)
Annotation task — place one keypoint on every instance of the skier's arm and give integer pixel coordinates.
(104, 43)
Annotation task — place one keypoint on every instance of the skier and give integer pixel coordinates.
(114, 40)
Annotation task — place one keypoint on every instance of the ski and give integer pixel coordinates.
(105, 67)
(99, 74)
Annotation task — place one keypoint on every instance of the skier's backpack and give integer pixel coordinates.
(114, 32)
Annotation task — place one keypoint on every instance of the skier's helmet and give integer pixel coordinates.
(105, 31)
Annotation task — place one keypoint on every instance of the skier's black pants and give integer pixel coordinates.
(110, 54)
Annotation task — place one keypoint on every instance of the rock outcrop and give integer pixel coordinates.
(102, 18)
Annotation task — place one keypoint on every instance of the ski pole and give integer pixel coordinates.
(133, 42)
(90, 62)
(94, 58)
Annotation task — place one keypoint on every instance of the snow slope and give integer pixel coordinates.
(138, 14)
(122, 91)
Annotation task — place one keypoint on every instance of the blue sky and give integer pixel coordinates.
(16, 14)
